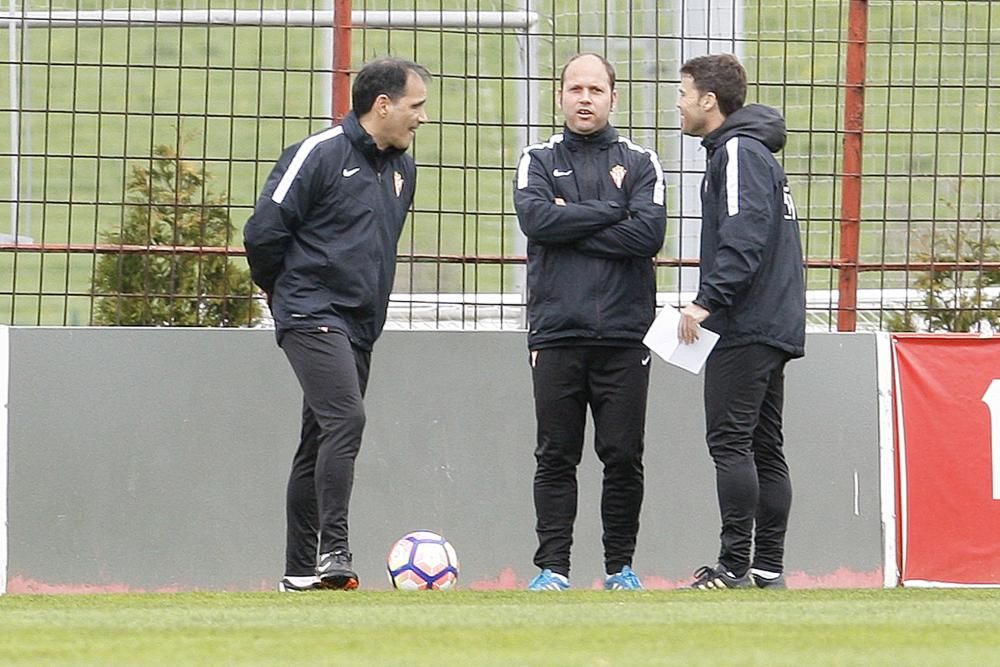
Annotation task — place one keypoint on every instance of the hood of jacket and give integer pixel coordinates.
(757, 121)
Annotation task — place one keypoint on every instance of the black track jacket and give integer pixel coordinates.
(322, 239)
(591, 278)
(751, 253)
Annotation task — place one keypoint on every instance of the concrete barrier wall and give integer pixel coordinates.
(156, 459)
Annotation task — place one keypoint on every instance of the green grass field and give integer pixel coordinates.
(815, 627)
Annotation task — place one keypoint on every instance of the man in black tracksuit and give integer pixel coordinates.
(322, 246)
(591, 204)
(752, 294)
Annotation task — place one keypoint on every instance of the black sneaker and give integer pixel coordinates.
(336, 571)
(773, 582)
(712, 578)
(298, 584)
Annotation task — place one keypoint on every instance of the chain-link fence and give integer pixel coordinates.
(140, 132)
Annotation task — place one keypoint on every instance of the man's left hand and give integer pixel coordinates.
(692, 315)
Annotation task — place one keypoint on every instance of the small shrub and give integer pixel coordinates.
(955, 300)
(168, 203)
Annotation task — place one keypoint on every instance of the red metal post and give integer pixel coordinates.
(854, 125)
(341, 94)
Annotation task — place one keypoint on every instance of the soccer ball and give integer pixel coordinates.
(422, 561)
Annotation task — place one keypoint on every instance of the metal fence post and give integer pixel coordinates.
(854, 125)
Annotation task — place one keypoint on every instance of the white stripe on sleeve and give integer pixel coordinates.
(522, 168)
(525, 161)
(301, 154)
(733, 176)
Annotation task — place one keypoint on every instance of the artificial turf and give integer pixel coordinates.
(795, 627)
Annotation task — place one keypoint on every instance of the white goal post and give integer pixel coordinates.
(514, 19)
(522, 21)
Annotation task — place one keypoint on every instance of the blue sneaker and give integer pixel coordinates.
(547, 580)
(626, 580)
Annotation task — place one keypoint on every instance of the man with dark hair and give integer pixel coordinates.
(322, 246)
(591, 204)
(751, 292)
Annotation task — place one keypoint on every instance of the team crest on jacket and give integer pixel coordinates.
(618, 175)
(397, 180)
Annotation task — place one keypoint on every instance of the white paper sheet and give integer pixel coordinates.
(662, 339)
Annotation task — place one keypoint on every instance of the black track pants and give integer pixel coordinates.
(614, 382)
(333, 375)
(744, 392)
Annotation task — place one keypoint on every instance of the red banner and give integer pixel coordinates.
(947, 403)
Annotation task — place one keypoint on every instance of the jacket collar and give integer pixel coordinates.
(364, 142)
(600, 139)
